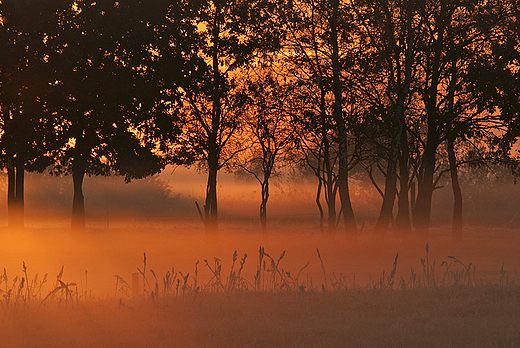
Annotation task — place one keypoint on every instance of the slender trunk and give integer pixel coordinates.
(318, 203)
(78, 201)
(402, 221)
(344, 194)
(20, 194)
(15, 191)
(11, 193)
(456, 228)
(457, 192)
(263, 205)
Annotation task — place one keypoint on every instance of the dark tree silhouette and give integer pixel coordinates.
(99, 112)
(454, 40)
(24, 86)
(387, 27)
(271, 138)
(341, 124)
(232, 33)
(315, 57)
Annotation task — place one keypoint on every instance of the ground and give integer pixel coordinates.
(352, 293)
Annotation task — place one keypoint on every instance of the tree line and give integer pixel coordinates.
(407, 91)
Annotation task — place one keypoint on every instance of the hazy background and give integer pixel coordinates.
(489, 199)
(158, 216)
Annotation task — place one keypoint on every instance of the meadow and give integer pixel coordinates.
(134, 287)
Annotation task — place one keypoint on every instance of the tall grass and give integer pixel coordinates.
(442, 304)
(270, 277)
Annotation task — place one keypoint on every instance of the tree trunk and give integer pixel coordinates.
(386, 213)
(402, 221)
(431, 102)
(331, 206)
(425, 188)
(413, 198)
(318, 203)
(20, 194)
(263, 205)
(11, 193)
(211, 217)
(210, 208)
(344, 194)
(328, 177)
(15, 192)
(457, 192)
(402, 89)
(78, 201)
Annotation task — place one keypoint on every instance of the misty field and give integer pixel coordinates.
(158, 288)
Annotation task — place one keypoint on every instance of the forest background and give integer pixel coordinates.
(406, 96)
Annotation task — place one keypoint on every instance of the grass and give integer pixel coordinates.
(442, 304)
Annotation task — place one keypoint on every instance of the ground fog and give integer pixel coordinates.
(173, 286)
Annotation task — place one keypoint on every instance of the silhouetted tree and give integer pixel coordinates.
(232, 33)
(24, 86)
(454, 41)
(314, 61)
(341, 124)
(99, 112)
(495, 77)
(387, 33)
(268, 130)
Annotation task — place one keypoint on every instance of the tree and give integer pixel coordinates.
(232, 33)
(344, 194)
(387, 33)
(269, 131)
(24, 86)
(495, 77)
(314, 57)
(99, 112)
(453, 44)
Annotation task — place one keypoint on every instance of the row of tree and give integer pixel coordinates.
(406, 90)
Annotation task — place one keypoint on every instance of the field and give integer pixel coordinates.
(163, 287)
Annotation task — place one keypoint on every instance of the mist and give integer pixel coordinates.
(490, 199)
(259, 173)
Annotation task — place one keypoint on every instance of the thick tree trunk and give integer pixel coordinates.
(457, 192)
(78, 201)
(210, 208)
(402, 221)
(431, 102)
(386, 213)
(413, 198)
(425, 188)
(344, 194)
(331, 206)
(328, 177)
